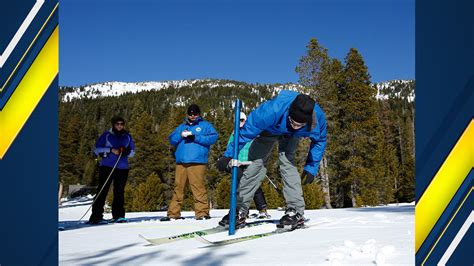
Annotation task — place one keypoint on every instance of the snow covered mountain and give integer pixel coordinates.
(116, 88)
(404, 89)
(385, 90)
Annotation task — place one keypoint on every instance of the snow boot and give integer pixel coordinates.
(291, 220)
(167, 218)
(205, 217)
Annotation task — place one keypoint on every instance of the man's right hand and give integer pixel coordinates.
(223, 164)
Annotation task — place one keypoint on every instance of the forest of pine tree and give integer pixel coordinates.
(369, 159)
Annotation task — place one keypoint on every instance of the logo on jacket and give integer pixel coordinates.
(198, 129)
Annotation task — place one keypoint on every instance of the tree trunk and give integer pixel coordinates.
(354, 201)
(325, 182)
(60, 193)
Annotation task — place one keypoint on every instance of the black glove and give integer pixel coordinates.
(222, 164)
(307, 178)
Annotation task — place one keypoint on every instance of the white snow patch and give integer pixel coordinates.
(339, 238)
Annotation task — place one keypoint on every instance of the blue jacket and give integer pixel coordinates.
(109, 140)
(272, 116)
(193, 149)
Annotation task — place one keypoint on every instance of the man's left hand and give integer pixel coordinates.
(307, 178)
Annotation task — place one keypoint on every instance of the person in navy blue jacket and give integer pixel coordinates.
(113, 144)
(283, 119)
(192, 140)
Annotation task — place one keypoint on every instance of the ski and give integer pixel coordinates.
(243, 238)
(251, 237)
(203, 232)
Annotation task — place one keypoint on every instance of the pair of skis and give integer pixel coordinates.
(199, 235)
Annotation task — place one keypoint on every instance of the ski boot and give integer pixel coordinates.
(291, 220)
(239, 220)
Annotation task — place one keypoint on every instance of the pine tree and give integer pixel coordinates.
(223, 193)
(320, 74)
(144, 161)
(69, 138)
(313, 196)
(149, 195)
(360, 133)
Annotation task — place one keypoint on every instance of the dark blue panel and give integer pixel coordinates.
(16, 9)
(444, 99)
(444, 80)
(29, 174)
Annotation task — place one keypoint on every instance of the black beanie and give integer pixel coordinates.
(116, 119)
(194, 109)
(301, 109)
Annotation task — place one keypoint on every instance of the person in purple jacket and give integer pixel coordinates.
(115, 146)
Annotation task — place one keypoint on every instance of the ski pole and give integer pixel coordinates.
(107, 180)
(273, 184)
(233, 200)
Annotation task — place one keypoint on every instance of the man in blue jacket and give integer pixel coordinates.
(283, 119)
(192, 140)
(115, 146)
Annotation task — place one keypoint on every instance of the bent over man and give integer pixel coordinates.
(283, 120)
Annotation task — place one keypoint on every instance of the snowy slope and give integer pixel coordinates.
(404, 89)
(385, 90)
(363, 236)
(115, 88)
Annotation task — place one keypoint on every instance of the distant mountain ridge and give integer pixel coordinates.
(385, 90)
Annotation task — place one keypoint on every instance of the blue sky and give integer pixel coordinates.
(247, 40)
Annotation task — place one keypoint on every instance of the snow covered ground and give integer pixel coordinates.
(362, 236)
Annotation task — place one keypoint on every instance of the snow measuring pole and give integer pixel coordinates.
(235, 157)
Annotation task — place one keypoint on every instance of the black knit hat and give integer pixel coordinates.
(116, 119)
(193, 109)
(301, 109)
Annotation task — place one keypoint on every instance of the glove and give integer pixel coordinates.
(307, 178)
(186, 134)
(223, 163)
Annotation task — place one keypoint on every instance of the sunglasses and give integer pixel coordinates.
(120, 123)
(294, 124)
(193, 114)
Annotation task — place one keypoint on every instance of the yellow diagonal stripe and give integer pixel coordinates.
(444, 185)
(29, 92)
